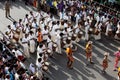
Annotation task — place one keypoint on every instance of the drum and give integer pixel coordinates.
(96, 32)
(63, 43)
(54, 46)
(74, 36)
(49, 51)
(110, 32)
(90, 31)
(68, 40)
(18, 31)
(118, 34)
(16, 37)
(80, 34)
(45, 68)
(13, 41)
(47, 63)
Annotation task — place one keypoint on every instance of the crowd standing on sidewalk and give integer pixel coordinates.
(47, 35)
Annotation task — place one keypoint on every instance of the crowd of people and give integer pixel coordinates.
(42, 33)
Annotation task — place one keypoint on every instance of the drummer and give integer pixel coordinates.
(87, 26)
(108, 28)
(26, 29)
(40, 49)
(20, 24)
(31, 16)
(117, 59)
(58, 41)
(10, 31)
(14, 25)
(50, 44)
(39, 63)
(78, 31)
(25, 45)
(38, 15)
(117, 35)
(45, 33)
(32, 42)
(97, 35)
(35, 25)
(26, 19)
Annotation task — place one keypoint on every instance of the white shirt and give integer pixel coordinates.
(26, 20)
(13, 27)
(32, 68)
(35, 25)
(38, 15)
(24, 39)
(31, 17)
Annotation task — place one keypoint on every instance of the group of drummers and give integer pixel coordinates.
(42, 33)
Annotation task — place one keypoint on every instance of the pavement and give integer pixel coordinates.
(58, 69)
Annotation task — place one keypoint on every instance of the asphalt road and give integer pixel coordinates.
(58, 69)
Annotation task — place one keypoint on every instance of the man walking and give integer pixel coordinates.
(7, 8)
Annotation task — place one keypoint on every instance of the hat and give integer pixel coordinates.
(106, 54)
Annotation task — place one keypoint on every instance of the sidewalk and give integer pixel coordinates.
(18, 10)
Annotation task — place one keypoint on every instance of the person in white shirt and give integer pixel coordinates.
(31, 16)
(40, 50)
(14, 25)
(87, 26)
(26, 29)
(108, 28)
(58, 41)
(42, 24)
(77, 17)
(98, 27)
(61, 15)
(10, 32)
(32, 68)
(98, 18)
(32, 42)
(117, 32)
(78, 31)
(35, 25)
(84, 14)
(38, 15)
(26, 19)
(45, 33)
(25, 45)
(20, 26)
(104, 18)
(18, 54)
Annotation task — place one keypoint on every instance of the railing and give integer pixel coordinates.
(26, 66)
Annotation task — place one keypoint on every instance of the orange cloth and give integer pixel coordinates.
(39, 37)
(88, 48)
(68, 51)
(105, 63)
(69, 54)
(34, 3)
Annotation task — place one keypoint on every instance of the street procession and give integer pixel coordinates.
(58, 32)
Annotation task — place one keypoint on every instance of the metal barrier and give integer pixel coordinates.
(44, 73)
